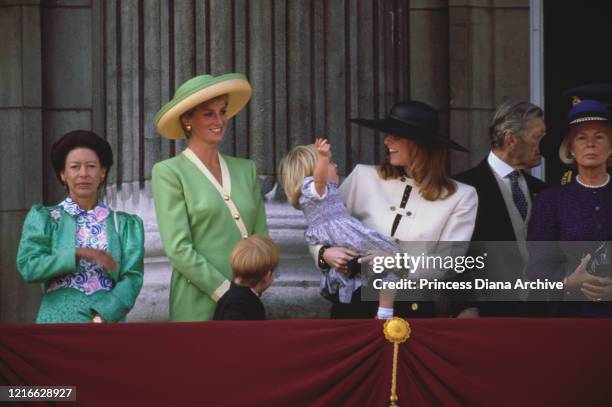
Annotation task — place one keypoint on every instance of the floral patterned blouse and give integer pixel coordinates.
(90, 233)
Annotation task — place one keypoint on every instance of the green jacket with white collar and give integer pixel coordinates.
(198, 230)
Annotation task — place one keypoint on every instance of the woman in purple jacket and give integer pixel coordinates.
(575, 220)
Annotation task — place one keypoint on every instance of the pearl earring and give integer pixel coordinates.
(188, 128)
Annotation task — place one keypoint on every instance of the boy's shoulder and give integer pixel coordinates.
(237, 293)
(239, 303)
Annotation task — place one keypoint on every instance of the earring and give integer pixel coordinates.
(188, 128)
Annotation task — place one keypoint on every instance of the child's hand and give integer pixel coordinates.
(323, 147)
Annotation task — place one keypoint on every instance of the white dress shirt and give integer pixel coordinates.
(501, 171)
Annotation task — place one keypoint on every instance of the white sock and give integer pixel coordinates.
(384, 313)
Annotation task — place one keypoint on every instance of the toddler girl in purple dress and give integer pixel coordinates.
(310, 180)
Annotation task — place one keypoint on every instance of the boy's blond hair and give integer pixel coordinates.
(252, 258)
(298, 164)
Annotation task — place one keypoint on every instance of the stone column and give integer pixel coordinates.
(56, 44)
(21, 147)
(489, 63)
(429, 55)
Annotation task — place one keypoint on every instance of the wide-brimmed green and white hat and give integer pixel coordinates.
(198, 90)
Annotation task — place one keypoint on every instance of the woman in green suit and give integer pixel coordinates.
(205, 201)
(88, 258)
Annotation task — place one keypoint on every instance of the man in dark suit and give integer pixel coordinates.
(505, 196)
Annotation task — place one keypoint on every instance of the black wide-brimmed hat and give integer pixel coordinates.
(413, 120)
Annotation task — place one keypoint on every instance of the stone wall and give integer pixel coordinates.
(21, 146)
(489, 63)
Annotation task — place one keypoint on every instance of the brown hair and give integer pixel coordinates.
(427, 167)
(253, 258)
(189, 113)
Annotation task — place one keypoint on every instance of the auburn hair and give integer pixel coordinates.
(252, 258)
(428, 168)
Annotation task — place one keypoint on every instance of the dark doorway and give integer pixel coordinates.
(577, 51)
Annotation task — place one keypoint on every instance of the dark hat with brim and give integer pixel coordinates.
(588, 111)
(559, 129)
(198, 90)
(413, 120)
(601, 92)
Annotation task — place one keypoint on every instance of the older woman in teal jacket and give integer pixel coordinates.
(88, 258)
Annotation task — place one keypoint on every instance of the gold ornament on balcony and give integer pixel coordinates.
(396, 330)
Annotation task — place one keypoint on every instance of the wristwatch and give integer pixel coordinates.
(321, 261)
(97, 319)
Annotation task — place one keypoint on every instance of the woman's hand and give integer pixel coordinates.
(98, 319)
(574, 281)
(98, 256)
(598, 290)
(337, 257)
(368, 257)
(593, 287)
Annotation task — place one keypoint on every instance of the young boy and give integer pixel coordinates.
(253, 261)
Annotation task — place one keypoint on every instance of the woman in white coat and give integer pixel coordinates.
(410, 198)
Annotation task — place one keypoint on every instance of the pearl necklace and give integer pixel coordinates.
(594, 186)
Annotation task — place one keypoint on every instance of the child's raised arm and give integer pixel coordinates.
(321, 168)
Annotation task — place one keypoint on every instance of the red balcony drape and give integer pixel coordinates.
(446, 362)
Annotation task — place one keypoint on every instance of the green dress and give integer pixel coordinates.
(198, 230)
(48, 249)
